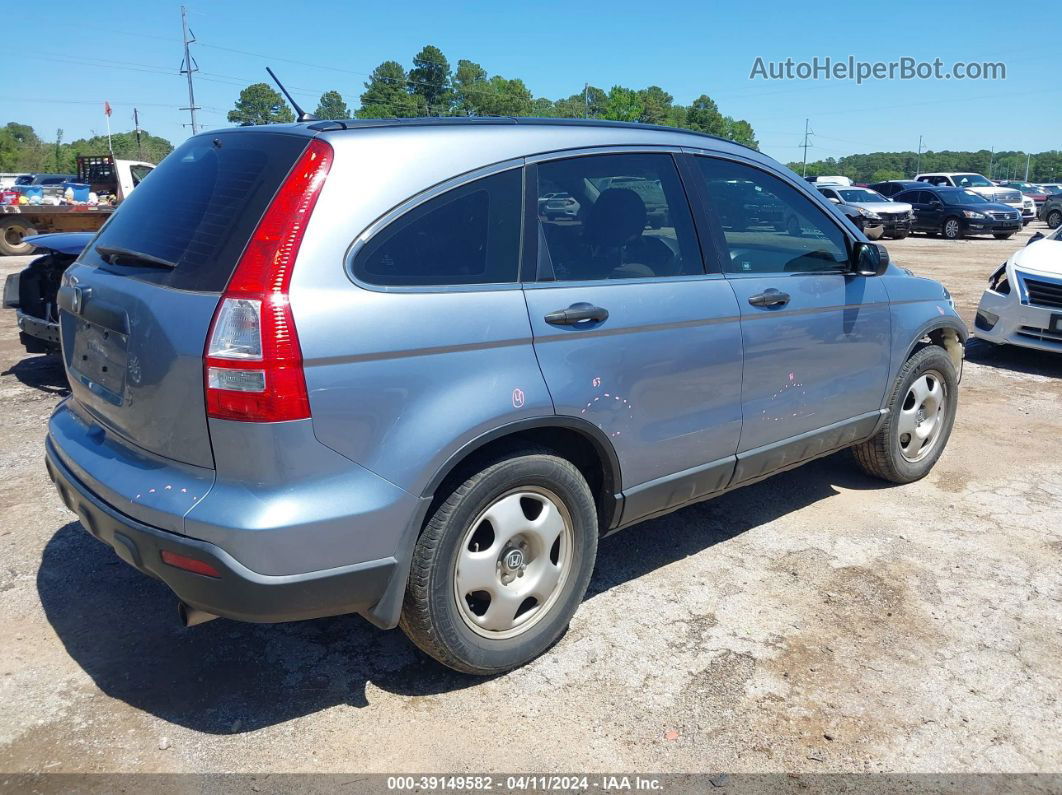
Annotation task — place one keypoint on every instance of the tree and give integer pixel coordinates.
(429, 80)
(740, 131)
(543, 108)
(260, 104)
(883, 174)
(469, 87)
(332, 106)
(703, 116)
(656, 105)
(386, 93)
(505, 98)
(623, 104)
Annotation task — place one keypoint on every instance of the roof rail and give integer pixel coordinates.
(473, 121)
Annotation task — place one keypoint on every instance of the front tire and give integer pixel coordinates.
(921, 415)
(1054, 219)
(951, 229)
(1005, 236)
(502, 564)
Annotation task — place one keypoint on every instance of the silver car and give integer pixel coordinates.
(339, 367)
(895, 217)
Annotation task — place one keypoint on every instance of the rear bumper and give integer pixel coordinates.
(239, 593)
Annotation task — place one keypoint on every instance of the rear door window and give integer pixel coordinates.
(200, 208)
(614, 216)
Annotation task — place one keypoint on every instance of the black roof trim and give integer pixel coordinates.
(475, 121)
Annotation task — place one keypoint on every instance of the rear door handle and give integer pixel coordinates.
(576, 314)
(769, 297)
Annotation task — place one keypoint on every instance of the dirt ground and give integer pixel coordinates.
(819, 621)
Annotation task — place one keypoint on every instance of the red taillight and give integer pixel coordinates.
(189, 564)
(253, 364)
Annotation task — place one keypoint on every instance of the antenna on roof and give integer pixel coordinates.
(303, 115)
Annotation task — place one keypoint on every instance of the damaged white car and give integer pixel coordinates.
(1023, 302)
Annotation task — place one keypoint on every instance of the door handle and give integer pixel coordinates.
(577, 313)
(769, 297)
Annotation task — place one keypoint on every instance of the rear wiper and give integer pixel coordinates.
(112, 255)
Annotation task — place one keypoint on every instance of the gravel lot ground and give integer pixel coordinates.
(819, 621)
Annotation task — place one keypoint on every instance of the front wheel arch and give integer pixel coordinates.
(947, 335)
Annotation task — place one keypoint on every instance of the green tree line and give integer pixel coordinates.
(879, 166)
(432, 87)
(23, 150)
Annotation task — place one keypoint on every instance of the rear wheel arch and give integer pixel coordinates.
(580, 442)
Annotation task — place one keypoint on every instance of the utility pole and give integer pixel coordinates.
(586, 100)
(1028, 158)
(807, 132)
(991, 157)
(136, 124)
(918, 162)
(188, 65)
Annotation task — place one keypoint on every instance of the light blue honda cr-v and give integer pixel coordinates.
(358, 367)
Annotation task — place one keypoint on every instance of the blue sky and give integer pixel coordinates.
(128, 53)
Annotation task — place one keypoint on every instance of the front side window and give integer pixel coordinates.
(468, 235)
(621, 216)
(784, 231)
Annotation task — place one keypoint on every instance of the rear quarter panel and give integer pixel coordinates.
(399, 380)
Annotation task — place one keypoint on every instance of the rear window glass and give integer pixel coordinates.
(199, 208)
(469, 235)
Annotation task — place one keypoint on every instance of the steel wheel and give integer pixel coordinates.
(951, 228)
(513, 562)
(922, 416)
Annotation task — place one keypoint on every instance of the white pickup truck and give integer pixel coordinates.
(112, 180)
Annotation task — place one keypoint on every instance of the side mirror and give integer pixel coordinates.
(936, 203)
(869, 259)
(834, 199)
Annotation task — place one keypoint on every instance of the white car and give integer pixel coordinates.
(895, 217)
(1023, 302)
(979, 183)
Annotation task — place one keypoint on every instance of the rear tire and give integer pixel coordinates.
(12, 231)
(951, 229)
(919, 421)
(468, 602)
(900, 235)
(1006, 236)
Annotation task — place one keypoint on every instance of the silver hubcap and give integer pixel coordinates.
(922, 416)
(951, 228)
(513, 562)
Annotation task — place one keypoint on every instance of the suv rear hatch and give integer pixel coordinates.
(136, 309)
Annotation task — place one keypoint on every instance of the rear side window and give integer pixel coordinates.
(468, 235)
(200, 208)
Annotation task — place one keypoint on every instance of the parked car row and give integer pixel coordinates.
(951, 204)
